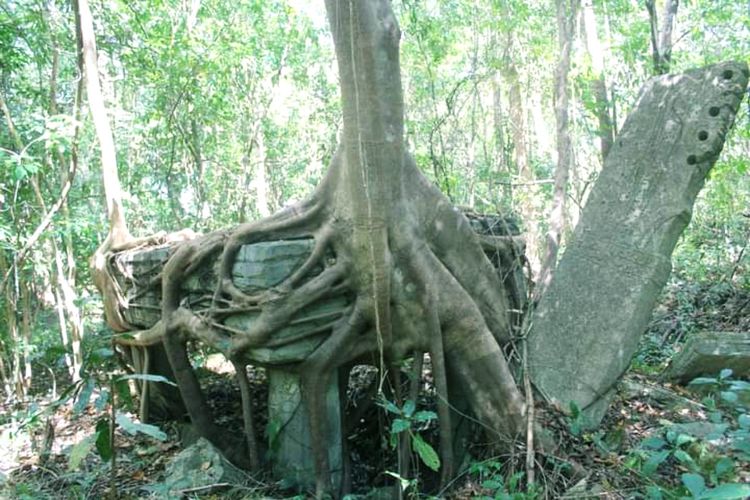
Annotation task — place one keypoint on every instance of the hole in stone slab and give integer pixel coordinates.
(713, 111)
(702, 135)
(728, 74)
(692, 160)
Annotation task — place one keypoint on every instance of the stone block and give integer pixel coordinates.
(707, 353)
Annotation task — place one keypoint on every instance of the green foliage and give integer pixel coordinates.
(712, 451)
(410, 421)
(499, 485)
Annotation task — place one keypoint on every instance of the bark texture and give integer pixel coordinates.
(588, 324)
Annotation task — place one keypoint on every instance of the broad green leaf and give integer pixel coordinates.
(739, 385)
(84, 396)
(725, 373)
(399, 425)
(702, 381)
(694, 483)
(104, 443)
(653, 443)
(654, 461)
(79, 451)
(426, 452)
(134, 428)
(683, 439)
(409, 408)
(425, 416)
(729, 491)
(148, 378)
(124, 399)
(729, 396)
(744, 421)
(723, 466)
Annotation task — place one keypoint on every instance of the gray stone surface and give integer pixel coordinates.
(200, 465)
(588, 323)
(707, 353)
(289, 427)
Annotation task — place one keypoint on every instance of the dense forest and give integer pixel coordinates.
(127, 119)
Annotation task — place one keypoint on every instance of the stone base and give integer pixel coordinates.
(290, 446)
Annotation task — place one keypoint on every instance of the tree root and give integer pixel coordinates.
(421, 286)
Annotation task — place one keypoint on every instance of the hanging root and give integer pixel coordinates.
(247, 414)
(345, 343)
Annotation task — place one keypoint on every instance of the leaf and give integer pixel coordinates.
(683, 439)
(83, 397)
(574, 410)
(148, 378)
(79, 451)
(654, 461)
(425, 416)
(729, 491)
(723, 466)
(702, 381)
(654, 493)
(425, 452)
(124, 398)
(653, 443)
(729, 396)
(744, 421)
(101, 402)
(492, 484)
(739, 385)
(694, 483)
(104, 445)
(134, 428)
(725, 373)
(399, 425)
(686, 459)
(409, 408)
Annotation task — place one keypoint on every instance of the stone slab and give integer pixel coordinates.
(705, 354)
(587, 325)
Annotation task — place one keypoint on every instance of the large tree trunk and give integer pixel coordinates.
(587, 325)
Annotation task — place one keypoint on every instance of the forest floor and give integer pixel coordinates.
(657, 441)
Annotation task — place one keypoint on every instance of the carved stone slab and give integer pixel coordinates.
(587, 325)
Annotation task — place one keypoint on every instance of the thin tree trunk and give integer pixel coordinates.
(566, 18)
(118, 230)
(599, 83)
(26, 332)
(661, 36)
(260, 181)
(528, 193)
(12, 328)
